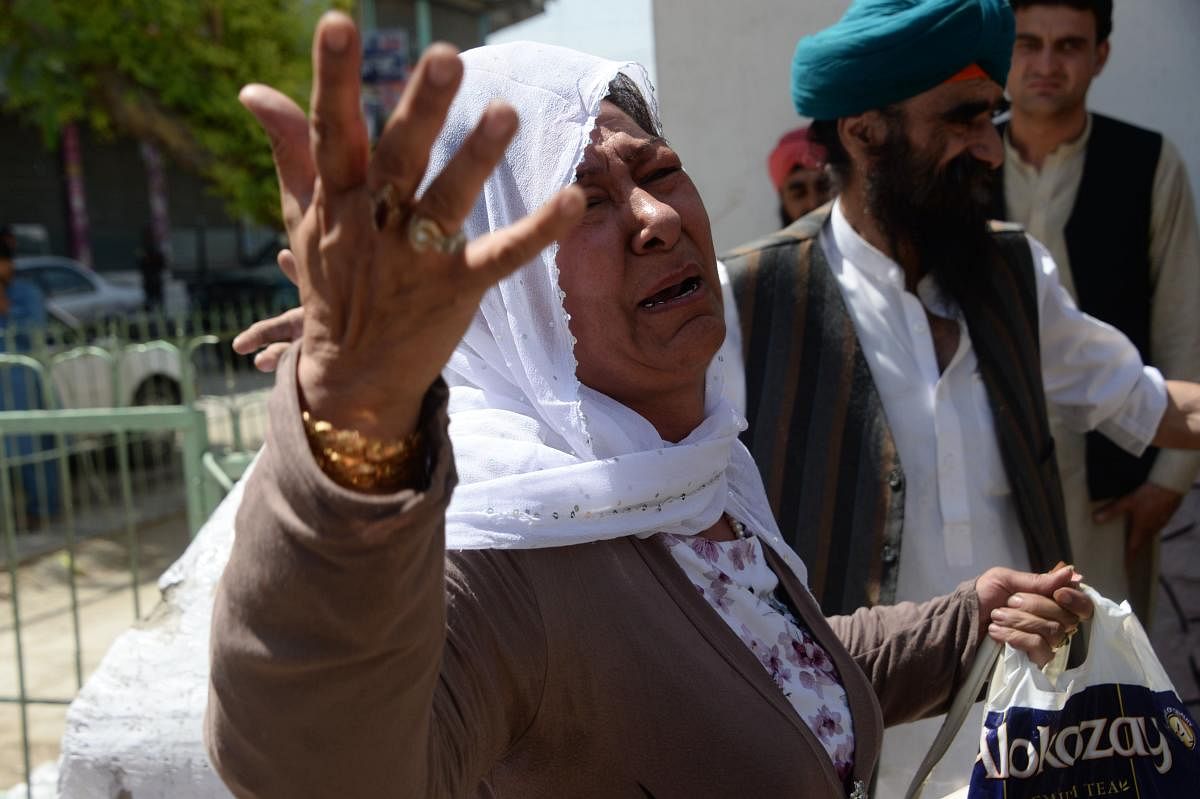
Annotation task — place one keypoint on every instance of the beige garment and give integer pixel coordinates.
(353, 656)
(1042, 201)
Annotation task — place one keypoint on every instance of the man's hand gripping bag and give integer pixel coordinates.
(1113, 726)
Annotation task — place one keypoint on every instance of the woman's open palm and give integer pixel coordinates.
(382, 314)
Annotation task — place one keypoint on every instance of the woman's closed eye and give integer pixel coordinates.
(661, 173)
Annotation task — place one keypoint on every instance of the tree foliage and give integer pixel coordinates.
(163, 71)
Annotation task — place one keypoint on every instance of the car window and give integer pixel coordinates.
(58, 281)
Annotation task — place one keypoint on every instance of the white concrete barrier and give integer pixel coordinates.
(135, 730)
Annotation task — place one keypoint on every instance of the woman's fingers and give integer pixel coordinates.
(453, 193)
(1032, 612)
(286, 127)
(1046, 620)
(402, 152)
(1032, 645)
(339, 135)
(285, 328)
(1036, 624)
(499, 253)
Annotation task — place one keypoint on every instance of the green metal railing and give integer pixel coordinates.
(118, 470)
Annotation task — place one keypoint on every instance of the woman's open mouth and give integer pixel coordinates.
(672, 294)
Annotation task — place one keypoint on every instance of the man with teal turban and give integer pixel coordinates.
(886, 51)
(901, 349)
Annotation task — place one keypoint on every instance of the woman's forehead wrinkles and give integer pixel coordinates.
(643, 149)
(629, 149)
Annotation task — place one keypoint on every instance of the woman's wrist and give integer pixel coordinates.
(348, 400)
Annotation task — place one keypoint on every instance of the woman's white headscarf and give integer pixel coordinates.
(544, 461)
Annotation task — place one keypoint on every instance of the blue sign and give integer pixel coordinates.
(385, 56)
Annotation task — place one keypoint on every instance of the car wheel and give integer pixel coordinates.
(152, 449)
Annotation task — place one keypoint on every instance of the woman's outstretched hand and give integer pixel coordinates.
(1036, 613)
(382, 313)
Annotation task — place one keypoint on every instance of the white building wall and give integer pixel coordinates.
(724, 72)
(723, 76)
(620, 30)
(1153, 75)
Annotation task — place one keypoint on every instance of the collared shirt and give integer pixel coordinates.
(959, 519)
(1042, 201)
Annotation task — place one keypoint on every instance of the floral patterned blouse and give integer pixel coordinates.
(735, 579)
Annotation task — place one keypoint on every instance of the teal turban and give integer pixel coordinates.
(885, 51)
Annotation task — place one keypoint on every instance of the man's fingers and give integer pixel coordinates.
(495, 255)
(1055, 594)
(1138, 535)
(285, 328)
(339, 135)
(287, 264)
(402, 152)
(1045, 584)
(287, 129)
(1076, 602)
(1118, 507)
(268, 359)
(451, 195)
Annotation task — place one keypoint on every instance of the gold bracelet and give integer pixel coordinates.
(371, 465)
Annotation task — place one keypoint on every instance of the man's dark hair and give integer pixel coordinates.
(825, 133)
(1101, 9)
(625, 95)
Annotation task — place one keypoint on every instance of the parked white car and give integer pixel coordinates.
(143, 376)
(75, 295)
(78, 297)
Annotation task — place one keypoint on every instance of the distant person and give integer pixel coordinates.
(797, 170)
(152, 264)
(22, 310)
(1112, 203)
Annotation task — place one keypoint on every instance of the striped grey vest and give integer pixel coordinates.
(818, 430)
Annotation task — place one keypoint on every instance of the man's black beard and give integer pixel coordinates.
(937, 215)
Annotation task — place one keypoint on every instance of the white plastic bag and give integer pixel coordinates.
(1113, 726)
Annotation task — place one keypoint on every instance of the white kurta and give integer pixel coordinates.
(1042, 200)
(958, 516)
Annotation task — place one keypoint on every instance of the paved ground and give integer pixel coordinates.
(103, 585)
(105, 597)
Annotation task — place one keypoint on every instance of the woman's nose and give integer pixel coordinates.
(657, 225)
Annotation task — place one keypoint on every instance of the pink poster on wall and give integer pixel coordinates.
(81, 248)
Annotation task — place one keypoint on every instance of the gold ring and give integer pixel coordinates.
(424, 235)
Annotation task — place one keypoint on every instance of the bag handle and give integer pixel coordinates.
(964, 700)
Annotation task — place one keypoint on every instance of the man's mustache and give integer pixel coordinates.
(965, 177)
